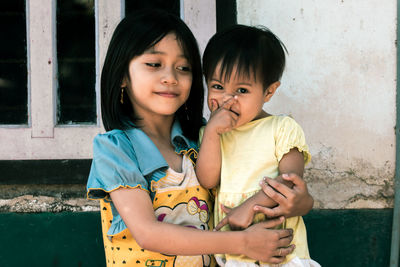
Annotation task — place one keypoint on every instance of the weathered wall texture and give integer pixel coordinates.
(340, 85)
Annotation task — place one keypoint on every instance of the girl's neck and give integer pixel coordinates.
(158, 128)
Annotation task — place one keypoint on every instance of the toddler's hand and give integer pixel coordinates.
(222, 119)
(237, 218)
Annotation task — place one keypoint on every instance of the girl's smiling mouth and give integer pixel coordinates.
(167, 94)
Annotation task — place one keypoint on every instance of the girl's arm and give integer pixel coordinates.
(257, 242)
(285, 195)
(208, 164)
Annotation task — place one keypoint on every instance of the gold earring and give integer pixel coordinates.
(122, 95)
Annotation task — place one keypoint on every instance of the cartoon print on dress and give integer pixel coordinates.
(191, 154)
(155, 263)
(193, 214)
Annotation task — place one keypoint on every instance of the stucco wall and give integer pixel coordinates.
(340, 85)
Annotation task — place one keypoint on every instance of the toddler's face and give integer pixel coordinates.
(250, 95)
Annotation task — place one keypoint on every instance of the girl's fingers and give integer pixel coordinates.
(294, 178)
(284, 251)
(281, 253)
(285, 241)
(285, 233)
(279, 188)
(271, 192)
(276, 260)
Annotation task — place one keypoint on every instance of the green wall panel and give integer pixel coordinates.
(354, 238)
(336, 238)
(51, 239)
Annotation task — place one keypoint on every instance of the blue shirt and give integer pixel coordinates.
(129, 159)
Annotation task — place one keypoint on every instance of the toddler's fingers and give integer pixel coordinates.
(225, 209)
(214, 105)
(269, 212)
(228, 103)
(221, 224)
(272, 223)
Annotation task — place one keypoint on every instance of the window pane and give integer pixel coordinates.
(172, 6)
(226, 14)
(76, 62)
(13, 67)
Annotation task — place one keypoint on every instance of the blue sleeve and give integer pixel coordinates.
(114, 165)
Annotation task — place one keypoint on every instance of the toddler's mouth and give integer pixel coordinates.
(237, 114)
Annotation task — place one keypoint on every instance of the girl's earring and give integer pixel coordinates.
(122, 95)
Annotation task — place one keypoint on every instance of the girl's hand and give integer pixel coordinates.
(238, 218)
(268, 245)
(222, 119)
(295, 201)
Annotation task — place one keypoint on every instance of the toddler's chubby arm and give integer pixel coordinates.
(257, 242)
(208, 164)
(285, 195)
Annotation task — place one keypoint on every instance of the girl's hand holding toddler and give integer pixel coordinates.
(286, 197)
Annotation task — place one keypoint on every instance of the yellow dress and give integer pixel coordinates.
(249, 153)
(179, 200)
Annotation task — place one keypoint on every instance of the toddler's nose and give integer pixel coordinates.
(227, 96)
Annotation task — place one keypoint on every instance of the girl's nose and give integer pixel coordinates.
(169, 77)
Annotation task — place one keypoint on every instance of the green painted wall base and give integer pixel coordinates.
(350, 238)
(336, 238)
(51, 239)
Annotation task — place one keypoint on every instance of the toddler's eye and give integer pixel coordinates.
(242, 90)
(217, 86)
(153, 65)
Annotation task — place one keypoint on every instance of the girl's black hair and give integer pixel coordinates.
(254, 50)
(134, 34)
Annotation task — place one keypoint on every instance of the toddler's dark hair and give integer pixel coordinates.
(135, 34)
(254, 50)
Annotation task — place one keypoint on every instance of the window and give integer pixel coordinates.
(13, 64)
(76, 62)
(172, 6)
(50, 66)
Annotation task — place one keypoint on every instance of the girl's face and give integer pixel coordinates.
(250, 95)
(159, 80)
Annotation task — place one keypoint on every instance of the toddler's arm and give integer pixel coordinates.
(257, 242)
(285, 195)
(208, 164)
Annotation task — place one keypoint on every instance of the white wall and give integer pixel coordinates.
(340, 85)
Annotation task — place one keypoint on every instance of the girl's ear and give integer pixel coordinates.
(271, 91)
(125, 82)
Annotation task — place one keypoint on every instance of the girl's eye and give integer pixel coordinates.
(217, 86)
(242, 90)
(153, 65)
(184, 68)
